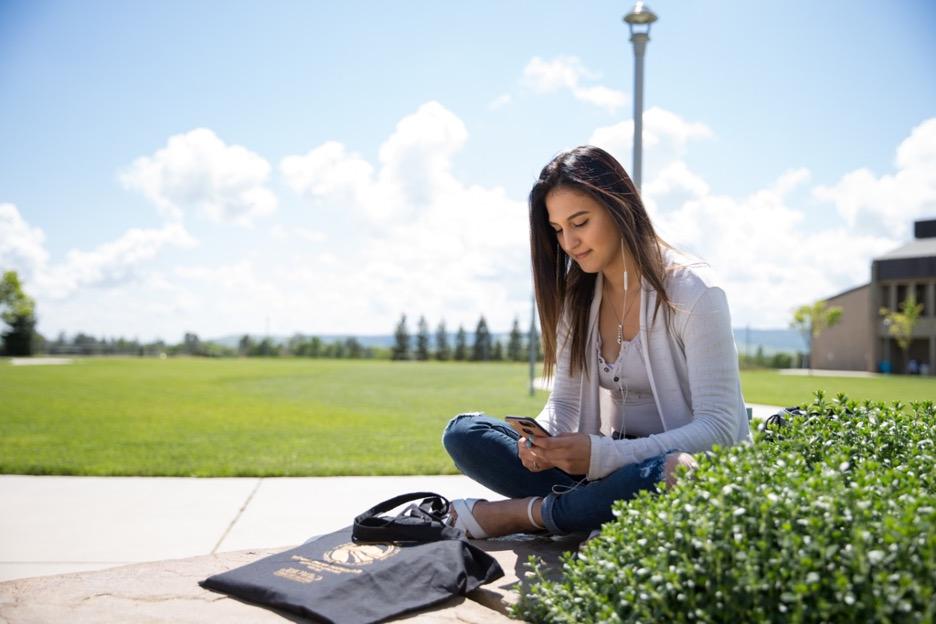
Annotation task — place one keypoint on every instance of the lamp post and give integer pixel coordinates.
(639, 20)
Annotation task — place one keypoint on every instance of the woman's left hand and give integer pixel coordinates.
(570, 452)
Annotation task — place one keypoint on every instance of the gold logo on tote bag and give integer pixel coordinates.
(360, 554)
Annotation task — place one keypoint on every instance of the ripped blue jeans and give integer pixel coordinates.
(485, 449)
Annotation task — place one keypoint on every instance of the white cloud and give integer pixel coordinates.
(768, 250)
(562, 72)
(415, 167)
(676, 177)
(666, 137)
(791, 180)
(890, 201)
(602, 97)
(919, 149)
(566, 73)
(500, 101)
(329, 171)
(197, 171)
(112, 263)
(281, 232)
(416, 159)
(241, 276)
(769, 255)
(22, 246)
(442, 248)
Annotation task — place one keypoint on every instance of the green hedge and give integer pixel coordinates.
(828, 517)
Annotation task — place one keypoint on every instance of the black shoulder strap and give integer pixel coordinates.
(424, 522)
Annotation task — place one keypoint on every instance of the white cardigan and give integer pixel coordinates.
(693, 374)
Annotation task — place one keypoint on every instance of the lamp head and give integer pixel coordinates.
(640, 17)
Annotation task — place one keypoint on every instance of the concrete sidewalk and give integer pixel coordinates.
(55, 525)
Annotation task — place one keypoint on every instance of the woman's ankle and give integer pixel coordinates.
(499, 518)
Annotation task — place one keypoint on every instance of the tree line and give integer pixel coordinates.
(300, 345)
(483, 347)
(297, 346)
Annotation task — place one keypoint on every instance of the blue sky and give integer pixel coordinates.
(324, 167)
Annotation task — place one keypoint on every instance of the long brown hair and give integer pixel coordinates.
(561, 286)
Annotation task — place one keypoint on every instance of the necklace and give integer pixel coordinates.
(620, 325)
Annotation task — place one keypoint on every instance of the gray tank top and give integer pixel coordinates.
(636, 412)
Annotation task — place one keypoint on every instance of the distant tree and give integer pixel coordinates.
(57, 345)
(308, 347)
(422, 340)
(84, 344)
(401, 344)
(294, 345)
(39, 342)
(21, 337)
(191, 344)
(811, 320)
(481, 350)
(158, 348)
(315, 347)
(443, 352)
(900, 324)
(215, 350)
(497, 353)
(245, 345)
(515, 344)
(461, 345)
(298, 348)
(265, 348)
(18, 310)
(759, 358)
(353, 348)
(533, 335)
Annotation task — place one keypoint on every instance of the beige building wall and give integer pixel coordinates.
(849, 344)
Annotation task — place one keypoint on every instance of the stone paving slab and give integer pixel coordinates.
(168, 591)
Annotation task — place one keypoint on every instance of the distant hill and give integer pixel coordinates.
(772, 340)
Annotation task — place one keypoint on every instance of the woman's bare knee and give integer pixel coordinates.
(673, 463)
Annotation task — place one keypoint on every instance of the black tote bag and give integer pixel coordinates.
(335, 579)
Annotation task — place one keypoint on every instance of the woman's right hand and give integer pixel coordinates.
(530, 456)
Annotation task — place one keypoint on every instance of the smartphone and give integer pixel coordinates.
(526, 426)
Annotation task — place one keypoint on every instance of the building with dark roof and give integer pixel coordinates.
(861, 341)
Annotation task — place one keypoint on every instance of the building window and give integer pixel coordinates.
(885, 296)
(921, 298)
(901, 294)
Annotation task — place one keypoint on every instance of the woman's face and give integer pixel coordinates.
(584, 228)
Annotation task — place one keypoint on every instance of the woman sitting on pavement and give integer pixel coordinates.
(621, 310)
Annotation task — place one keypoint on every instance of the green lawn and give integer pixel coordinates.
(268, 417)
(243, 416)
(772, 388)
